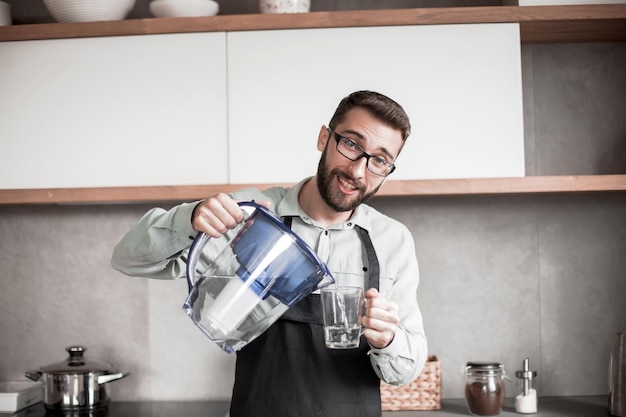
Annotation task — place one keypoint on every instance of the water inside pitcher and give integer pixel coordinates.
(254, 278)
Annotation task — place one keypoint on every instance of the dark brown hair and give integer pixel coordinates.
(378, 105)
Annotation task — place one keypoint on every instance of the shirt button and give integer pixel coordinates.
(326, 232)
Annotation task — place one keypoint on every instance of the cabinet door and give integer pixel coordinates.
(117, 111)
(460, 85)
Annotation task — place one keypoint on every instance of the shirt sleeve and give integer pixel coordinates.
(403, 360)
(154, 246)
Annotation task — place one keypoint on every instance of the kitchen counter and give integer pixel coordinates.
(592, 406)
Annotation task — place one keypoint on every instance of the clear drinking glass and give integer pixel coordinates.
(342, 310)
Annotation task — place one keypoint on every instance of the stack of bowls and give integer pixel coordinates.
(88, 10)
(184, 8)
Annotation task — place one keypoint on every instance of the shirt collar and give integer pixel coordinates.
(289, 206)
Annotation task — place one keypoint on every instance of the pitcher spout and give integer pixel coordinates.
(327, 280)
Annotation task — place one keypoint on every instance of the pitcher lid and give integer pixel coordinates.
(301, 243)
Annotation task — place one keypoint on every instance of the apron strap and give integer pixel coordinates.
(372, 259)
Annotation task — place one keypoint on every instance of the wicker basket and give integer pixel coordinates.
(424, 393)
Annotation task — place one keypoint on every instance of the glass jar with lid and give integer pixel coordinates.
(484, 389)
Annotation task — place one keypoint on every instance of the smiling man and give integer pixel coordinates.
(288, 371)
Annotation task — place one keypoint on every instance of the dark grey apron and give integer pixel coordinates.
(288, 371)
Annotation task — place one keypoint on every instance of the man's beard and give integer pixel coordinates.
(337, 200)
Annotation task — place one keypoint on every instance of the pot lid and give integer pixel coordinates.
(77, 364)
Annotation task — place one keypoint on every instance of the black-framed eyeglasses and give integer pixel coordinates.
(350, 149)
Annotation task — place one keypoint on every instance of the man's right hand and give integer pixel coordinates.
(215, 215)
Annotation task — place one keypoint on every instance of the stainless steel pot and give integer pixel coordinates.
(75, 384)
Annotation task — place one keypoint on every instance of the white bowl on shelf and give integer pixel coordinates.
(284, 6)
(184, 8)
(88, 10)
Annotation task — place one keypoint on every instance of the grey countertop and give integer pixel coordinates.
(592, 406)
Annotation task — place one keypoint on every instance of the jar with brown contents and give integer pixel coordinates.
(484, 390)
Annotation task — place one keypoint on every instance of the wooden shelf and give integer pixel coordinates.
(412, 188)
(587, 23)
(522, 185)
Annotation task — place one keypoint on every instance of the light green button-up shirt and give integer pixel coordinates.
(157, 247)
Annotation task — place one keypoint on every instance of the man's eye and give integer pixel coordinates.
(349, 144)
(377, 160)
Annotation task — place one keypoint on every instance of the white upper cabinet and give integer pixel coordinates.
(246, 107)
(460, 84)
(114, 111)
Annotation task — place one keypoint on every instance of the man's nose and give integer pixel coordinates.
(359, 167)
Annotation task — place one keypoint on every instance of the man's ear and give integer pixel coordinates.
(322, 138)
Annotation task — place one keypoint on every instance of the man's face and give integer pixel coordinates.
(345, 184)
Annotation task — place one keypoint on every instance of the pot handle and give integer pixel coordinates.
(201, 240)
(103, 379)
(33, 374)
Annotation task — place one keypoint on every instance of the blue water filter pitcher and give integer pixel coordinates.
(261, 272)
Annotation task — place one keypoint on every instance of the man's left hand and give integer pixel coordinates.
(381, 319)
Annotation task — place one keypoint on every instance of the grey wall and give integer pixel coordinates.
(502, 277)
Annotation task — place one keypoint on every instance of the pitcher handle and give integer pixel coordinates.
(195, 250)
(194, 253)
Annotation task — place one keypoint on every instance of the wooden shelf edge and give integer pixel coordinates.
(398, 188)
(604, 22)
(521, 185)
(120, 194)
